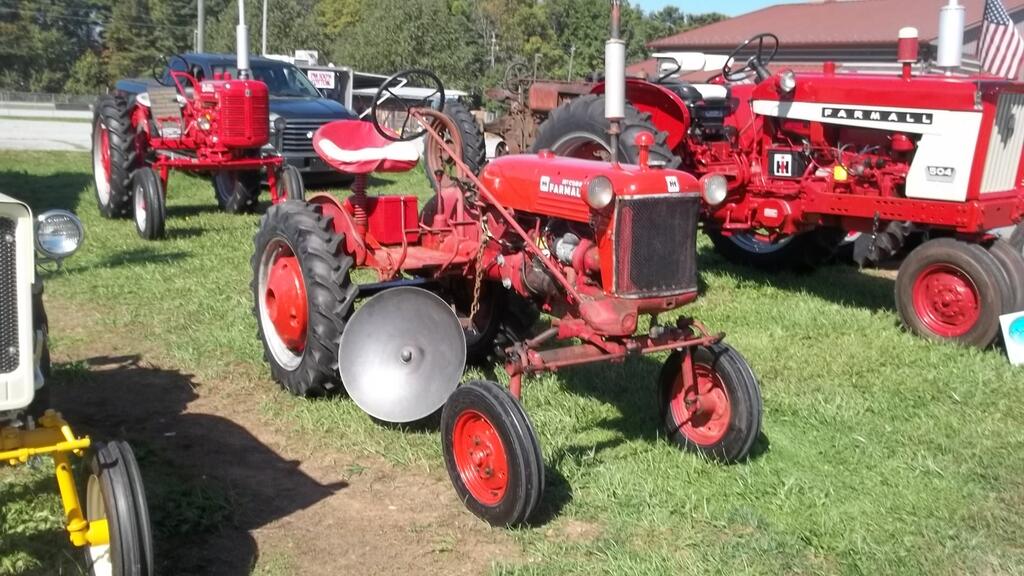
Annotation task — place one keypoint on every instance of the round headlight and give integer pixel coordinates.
(715, 188)
(59, 234)
(203, 122)
(278, 124)
(599, 192)
(787, 81)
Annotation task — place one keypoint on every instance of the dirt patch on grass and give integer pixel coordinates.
(228, 485)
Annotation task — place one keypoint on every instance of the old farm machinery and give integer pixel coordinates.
(212, 126)
(592, 244)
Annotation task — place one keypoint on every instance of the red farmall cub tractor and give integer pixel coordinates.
(801, 159)
(216, 126)
(594, 245)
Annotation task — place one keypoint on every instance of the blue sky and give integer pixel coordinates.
(730, 7)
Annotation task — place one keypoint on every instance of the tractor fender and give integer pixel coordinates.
(668, 111)
(342, 222)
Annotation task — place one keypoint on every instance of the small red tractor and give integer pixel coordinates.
(215, 126)
(593, 245)
(801, 159)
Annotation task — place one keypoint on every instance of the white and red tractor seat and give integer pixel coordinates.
(355, 147)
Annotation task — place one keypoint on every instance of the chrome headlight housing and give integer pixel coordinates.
(787, 81)
(59, 234)
(714, 188)
(599, 192)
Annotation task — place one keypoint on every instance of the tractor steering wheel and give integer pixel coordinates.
(756, 64)
(162, 67)
(410, 78)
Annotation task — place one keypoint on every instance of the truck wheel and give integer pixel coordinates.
(150, 207)
(1012, 262)
(289, 181)
(469, 140)
(802, 252)
(719, 415)
(579, 129)
(110, 495)
(947, 289)
(237, 191)
(492, 454)
(113, 155)
(302, 294)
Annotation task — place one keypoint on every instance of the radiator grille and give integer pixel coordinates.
(656, 245)
(298, 135)
(1004, 149)
(244, 119)
(9, 352)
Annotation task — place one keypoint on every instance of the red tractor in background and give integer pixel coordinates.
(215, 126)
(592, 244)
(798, 160)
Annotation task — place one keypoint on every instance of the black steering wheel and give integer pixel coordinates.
(163, 65)
(517, 77)
(756, 64)
(414, 79)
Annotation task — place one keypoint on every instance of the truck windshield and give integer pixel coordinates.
(283, 80)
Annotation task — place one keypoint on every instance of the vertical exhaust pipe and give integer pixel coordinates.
(242, 43)
(951, 37)
(615, 80)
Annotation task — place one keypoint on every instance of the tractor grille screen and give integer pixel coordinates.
(9, 352)
(245, 117)
(656, 245)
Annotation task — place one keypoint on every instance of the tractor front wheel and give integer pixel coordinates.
(114, 494)
(492, 453)
(951, 290)
(150, 204)
(303, 296)
(717, 413)
(803, 252)
(237, 191)
(289, 184)
(1012, 262)
(113, 155)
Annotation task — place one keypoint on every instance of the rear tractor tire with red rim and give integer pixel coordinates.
(303, 296)
(952, 290)
(719, 413)
(149, 204)
(492, 454)
(113, 156)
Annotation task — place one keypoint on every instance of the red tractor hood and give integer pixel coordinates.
(554, 186)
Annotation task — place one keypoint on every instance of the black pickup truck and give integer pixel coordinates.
(297, 108)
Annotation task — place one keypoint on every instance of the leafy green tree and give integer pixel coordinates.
(129, 39)
(42, 41)
(88, 75)
(291, 25)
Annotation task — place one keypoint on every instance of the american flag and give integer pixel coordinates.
(1001, 47)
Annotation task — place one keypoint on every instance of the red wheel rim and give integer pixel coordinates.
(480, 457)
(105, 152)
(702, 411)
(946, 300)
(285, 299)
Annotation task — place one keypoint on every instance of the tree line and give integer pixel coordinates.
(83, 46)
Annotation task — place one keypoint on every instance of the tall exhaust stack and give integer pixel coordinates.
(951, 36)
(615, 80)
(242, 43)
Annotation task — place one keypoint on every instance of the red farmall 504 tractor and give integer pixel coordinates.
(212, 126)
(594, 245)
(800, 159)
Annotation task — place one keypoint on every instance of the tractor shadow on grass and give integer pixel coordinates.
(209, 482)
(143, 255)
(46, 192)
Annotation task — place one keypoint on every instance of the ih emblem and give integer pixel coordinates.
(783, 165)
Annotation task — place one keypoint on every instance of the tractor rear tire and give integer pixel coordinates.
(328, 295)
(113, 155)
(492, 454)
(1012, 262)
(474, 151)
(150, 207)
(802, 253)
(579, 129)
(728, 433)
(237, 191)
(951, 290)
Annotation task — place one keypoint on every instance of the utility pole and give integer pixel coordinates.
(536, 63)
(494, 46)
(263, 36)
(572, 57)
(200, 25)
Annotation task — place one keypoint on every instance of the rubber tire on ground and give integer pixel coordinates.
(1012, 262)
(474, 151)
(330, 293)
(525, 488)
(112, 112)
(1017, 237)
(585, 115)
(983, 270)
(143, 527)
(744, 395)
(237, 191)
(146, 187)
(290, 184)
(107, 466)
(802, 253)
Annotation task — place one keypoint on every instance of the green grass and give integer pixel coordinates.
(883, 454)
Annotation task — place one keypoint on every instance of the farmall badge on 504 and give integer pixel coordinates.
(565, 187)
